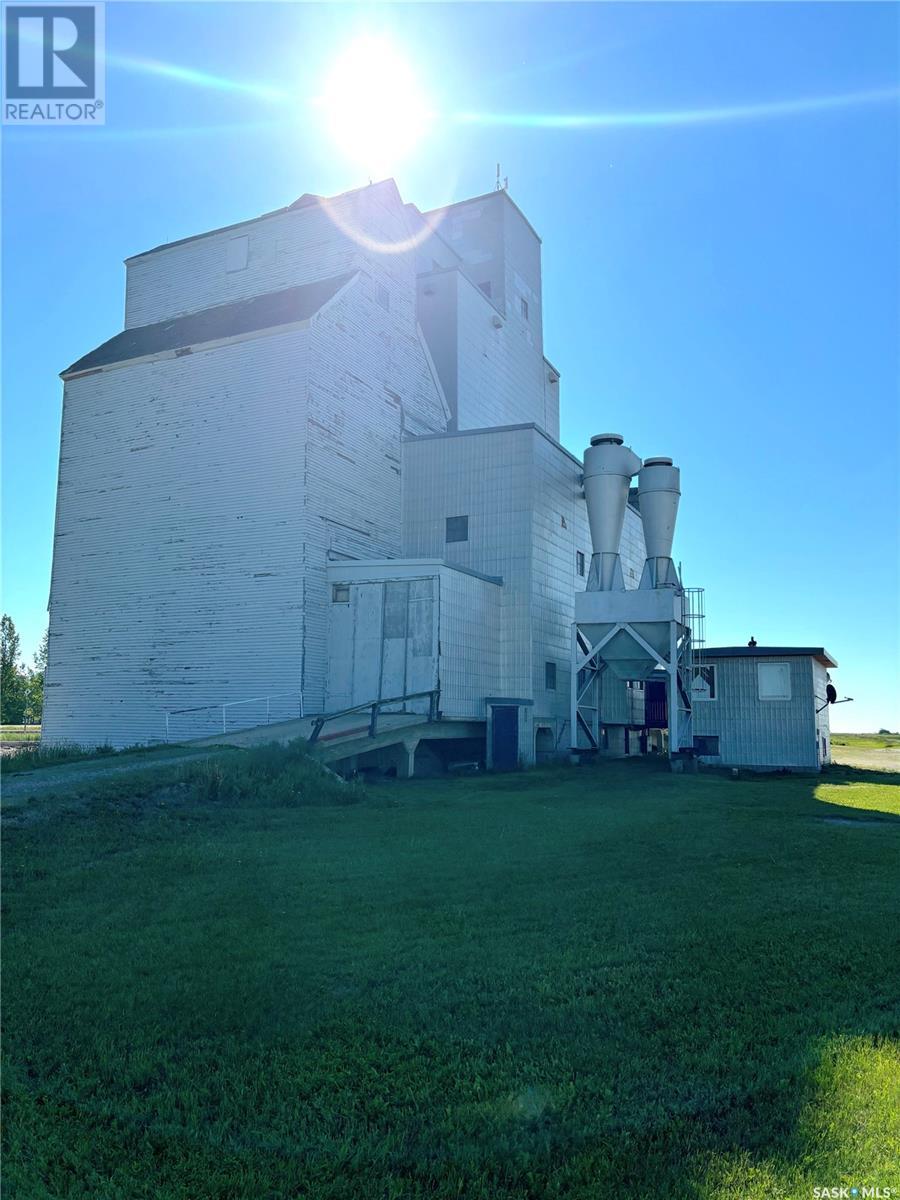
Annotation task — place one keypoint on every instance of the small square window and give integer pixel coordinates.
(579, 562)
(340, 593)
(706, 746)
(550, 676)
(457, 529)
(774, 681)
(486, 287)
(383, 297)
(524, 308)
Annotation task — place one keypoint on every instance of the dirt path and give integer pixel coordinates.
(19, 789)
(867, 760)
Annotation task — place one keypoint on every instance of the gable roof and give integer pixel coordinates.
(269, 311)
(304, 201)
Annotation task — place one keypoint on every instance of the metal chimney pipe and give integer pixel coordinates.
(659, 492)
(608, 468)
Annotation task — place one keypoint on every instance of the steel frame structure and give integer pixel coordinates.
(588, 666)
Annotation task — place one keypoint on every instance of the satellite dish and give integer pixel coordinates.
(831, 698)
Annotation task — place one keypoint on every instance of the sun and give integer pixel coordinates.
(372, 107)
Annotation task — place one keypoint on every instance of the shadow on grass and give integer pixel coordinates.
(567, 983)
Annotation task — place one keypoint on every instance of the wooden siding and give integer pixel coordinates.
(285, 249)
(457, 616)
(178, 545)
(199, 497)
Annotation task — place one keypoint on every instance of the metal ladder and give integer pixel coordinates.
(694, 618)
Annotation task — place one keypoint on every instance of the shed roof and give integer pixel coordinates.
(817, 652)
(268, 311)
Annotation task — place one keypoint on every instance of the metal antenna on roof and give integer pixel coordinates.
(501, 186)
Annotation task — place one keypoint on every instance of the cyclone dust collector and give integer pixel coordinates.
(638, 634)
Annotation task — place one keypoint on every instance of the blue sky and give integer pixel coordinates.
(722, 290)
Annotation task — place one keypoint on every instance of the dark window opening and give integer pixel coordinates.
(579, 562)
(486, 287)
(550, 676)
(706, 745)
(457, 529)
(340, 593)
(704, 686)
(525, 308)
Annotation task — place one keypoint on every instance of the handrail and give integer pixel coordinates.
(434, 714)
(174, 712)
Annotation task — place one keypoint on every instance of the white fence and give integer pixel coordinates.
(206, 720)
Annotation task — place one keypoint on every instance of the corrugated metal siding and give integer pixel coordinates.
(471, 628)
(527, 519)
(760, 733)
(488, 478)
(551, 404)
(823, 718)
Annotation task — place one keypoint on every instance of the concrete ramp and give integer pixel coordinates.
(345, 740)
(339, 729)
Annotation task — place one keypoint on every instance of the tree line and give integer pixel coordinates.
(21, 686)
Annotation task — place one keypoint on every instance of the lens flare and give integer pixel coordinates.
(372, 106)
(682, 116)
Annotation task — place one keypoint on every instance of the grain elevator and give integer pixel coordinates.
(319, 469)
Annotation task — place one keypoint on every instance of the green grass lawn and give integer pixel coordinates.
(258, 984)
(867, 741)
(34, 757)
(18, 733)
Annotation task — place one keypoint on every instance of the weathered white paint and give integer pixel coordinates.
(208, 501)
(412, 625)
(200, 496)
(527, 520)
(488, 350)
(284, 249)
